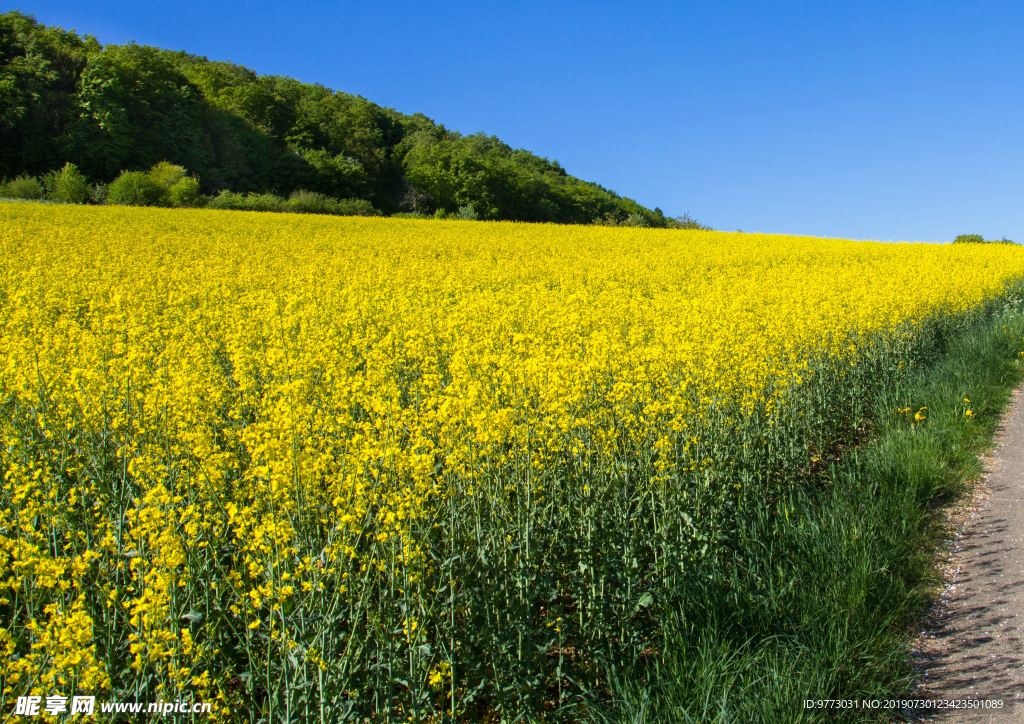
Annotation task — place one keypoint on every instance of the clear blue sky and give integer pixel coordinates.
(882, 120)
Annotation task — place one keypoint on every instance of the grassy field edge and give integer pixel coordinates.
(821, 605)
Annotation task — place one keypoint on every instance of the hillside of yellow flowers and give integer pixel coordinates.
(310, 468)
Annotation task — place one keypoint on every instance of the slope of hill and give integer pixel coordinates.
(66, 98)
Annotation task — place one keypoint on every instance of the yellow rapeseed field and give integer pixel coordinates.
(270, 461)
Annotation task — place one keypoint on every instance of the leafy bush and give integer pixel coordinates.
(226, 200)
(135, 188)
(98, 193)
(67, 185)
(166, 174)
(246, 202)
(309, 202)
(466, 213)
(263, 202)
(635, 220)
(300, 202)
(979, 239)
(354, 207)
(687, 222)
(23, 187)
(184, 192)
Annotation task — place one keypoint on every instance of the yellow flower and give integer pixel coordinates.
(282, 404)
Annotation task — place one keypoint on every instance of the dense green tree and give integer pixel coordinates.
(39, 72)
(64, 98)
(135, 110)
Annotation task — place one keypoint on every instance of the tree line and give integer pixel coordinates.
(67, 99)
(979, 239)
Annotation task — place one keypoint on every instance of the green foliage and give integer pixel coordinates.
(979, 239)
(40, 68)
(135, 188)
(466, 213)
(827, 577)
(300, 202)
(245, 202)
(451, 171)
(638, 219)
(135, 110)
(686, 222)
(98, 193)
(308, 202)
(338, 174)
(128, 107)
(23, 187)
(166, 174)
(184, 192)
(67, 185)
(261, 202)
(165, 184)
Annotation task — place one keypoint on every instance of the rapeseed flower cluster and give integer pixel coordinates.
(272, 461)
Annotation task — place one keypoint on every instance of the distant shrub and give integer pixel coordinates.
(246, 202)
(67, 185)
(466, 213)
(98, 193)
(309, 202)
(414, 202)
(166, 174)
(979, 239)
(687, 222)
(226, 200)
(411, 215)
(355, 207)
(23, 187)
(635, 220)
(300, 202)
(184, 192)
(135, 188)
(154, 187)
(263, 202)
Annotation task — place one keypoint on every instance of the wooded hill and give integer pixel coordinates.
(66, 98)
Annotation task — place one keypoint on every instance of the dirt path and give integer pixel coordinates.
(974, 647)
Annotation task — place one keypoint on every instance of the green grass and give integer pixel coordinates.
(817, 599)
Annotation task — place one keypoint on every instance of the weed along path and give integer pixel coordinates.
(975, 650)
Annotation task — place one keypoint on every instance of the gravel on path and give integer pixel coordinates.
(973, 646)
